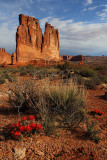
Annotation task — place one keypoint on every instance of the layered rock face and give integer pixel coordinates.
(5, 58)
(51, 44)
(31, 45)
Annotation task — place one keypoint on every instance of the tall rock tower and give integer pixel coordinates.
(28, 39)
(50, 44)
(32, 45)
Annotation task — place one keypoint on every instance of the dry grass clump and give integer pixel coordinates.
(51, 100)
(60, 104)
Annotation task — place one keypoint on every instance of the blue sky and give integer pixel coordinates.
(82, 24)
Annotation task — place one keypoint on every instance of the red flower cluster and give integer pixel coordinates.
(96, 112)
(25, 127)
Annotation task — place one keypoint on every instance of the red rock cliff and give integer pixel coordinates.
(28, 39)
(4, 57)
(31, 45)
(50, 44)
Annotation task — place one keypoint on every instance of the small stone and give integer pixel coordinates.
(19, 153)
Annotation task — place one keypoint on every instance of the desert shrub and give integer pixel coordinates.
(76, 70)
(79, 79)
(14, 70)
(66, 65)
(99, 68)
(92, 132)
(88, 72)
(7, 75)
(30, 68)
(50, 101)
(2, 80)
(92, 83)
(102, 78)
(23, 96)
(54, 102)
(22, 71)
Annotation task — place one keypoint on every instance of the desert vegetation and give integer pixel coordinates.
(55, 99)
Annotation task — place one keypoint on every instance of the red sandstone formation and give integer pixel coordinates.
(31, 45)
(71, 58)
(5, 58)
(13, 58)
(50, 45)
(65, 58)
(78, 58)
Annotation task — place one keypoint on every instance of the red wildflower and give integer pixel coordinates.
(39, 126)
(15, 129)
(31, 117)
(28, 128)
(22, 128)
(11, 126)
(102, 113)
(17, 124)
(17, 133)
(33, 125)
(24, 118)
(96, 111)
(12, 132)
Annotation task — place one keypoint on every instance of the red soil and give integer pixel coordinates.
(65, 145)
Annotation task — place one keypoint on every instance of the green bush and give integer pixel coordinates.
(65, 66)
(88, 72)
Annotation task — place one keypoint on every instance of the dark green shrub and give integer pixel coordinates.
(88, 72)
(65, 66)
(94, 81)
(30, 68)
(22, 73)
(79, 79)
(2, 80)
(92, 132)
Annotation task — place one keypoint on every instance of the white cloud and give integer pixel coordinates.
(80, 37)
(92, 8)
(88, 2)
(84, 10)
(103, 13)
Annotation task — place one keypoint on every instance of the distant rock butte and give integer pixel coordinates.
(32, 45)
(5, 58)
